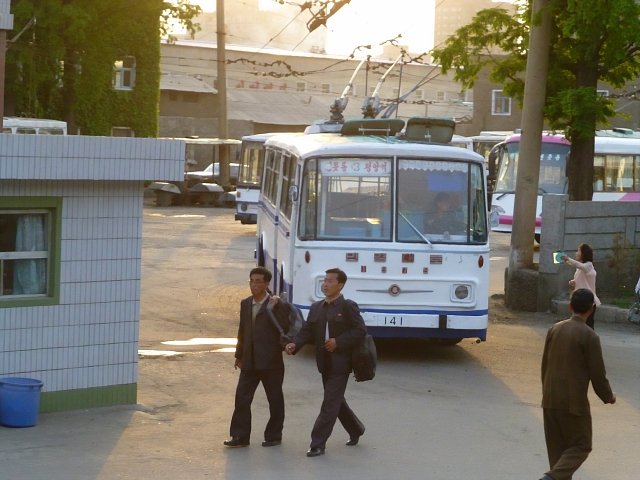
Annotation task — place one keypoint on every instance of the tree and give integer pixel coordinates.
(592, 40)
(62, 67)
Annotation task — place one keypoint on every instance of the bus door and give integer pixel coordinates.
(285, 233)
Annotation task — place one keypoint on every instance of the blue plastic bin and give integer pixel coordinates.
(19, 401)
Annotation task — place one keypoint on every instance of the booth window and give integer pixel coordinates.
(29, 240)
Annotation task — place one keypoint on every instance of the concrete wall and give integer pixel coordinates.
(566, 224)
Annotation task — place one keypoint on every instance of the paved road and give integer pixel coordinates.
(440, 413)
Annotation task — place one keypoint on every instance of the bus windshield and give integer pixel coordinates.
(250, 165)
(353, 199)
(553, 159)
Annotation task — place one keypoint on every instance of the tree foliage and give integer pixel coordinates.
(62, 66)
(592, 41)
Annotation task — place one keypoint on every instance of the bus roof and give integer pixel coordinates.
(32, 122)
(259, 137)
(617, 145)
(207, 141)
(546, 138)
(618, 132)
(320, 144)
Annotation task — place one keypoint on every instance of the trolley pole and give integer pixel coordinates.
(223, 129)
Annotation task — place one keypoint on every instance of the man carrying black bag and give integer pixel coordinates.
(259, 357)
(335, 326)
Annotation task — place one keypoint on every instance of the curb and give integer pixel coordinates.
(604, 313)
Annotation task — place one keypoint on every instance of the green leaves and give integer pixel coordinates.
(62, 67)
(592, 41)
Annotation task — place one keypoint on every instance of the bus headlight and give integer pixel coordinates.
(494, 216)
(243, 207)
(461, 293)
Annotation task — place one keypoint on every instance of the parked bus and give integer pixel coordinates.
(248, 185)
(366, 202)
(616, 173)
(483, 143)
(33, 126)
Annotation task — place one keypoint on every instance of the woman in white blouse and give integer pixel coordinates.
(585, 276)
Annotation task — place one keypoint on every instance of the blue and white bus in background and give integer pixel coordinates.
(365, 200)
(249, 176)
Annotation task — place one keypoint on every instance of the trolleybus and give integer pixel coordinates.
(367, 203)
(616, 173)
(248, 185)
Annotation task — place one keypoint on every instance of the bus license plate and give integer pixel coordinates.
(392, 321)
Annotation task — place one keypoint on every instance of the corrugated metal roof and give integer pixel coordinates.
(297, 108)
(276, 107)
(184, 83)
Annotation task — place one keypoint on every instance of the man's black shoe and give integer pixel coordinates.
(271, 443)
(236, 442)
(315, 452)
(354, 440)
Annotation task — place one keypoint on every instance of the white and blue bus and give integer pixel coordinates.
(616, 175)
(367, 203)
(250, 172)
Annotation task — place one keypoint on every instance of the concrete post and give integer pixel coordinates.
(550, 283)
(518, 278)
(223, 129)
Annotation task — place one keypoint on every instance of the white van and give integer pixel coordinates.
(33, 126)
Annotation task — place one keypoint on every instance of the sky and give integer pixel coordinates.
(361, 23)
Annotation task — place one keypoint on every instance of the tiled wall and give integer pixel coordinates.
(84, 347)
(50, 157)
(90, 339)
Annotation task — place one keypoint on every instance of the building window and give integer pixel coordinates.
(419, 94)
(29, 242)
(124, 73)
(122, 132)
(440, 96)
(326, 88)
(500, 104)
(301, 87)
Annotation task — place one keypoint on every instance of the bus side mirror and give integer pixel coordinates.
(293, 193)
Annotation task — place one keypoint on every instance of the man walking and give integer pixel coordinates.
(259, 358)
(335, 326)
(572, 358)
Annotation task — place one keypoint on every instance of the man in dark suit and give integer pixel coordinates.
(572, 358)
(259, 357)
(335, 326)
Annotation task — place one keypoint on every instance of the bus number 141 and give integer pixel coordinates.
(393, 320)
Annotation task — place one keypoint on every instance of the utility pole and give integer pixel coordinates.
(521, 277)
(223, 130)
(6, 24)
